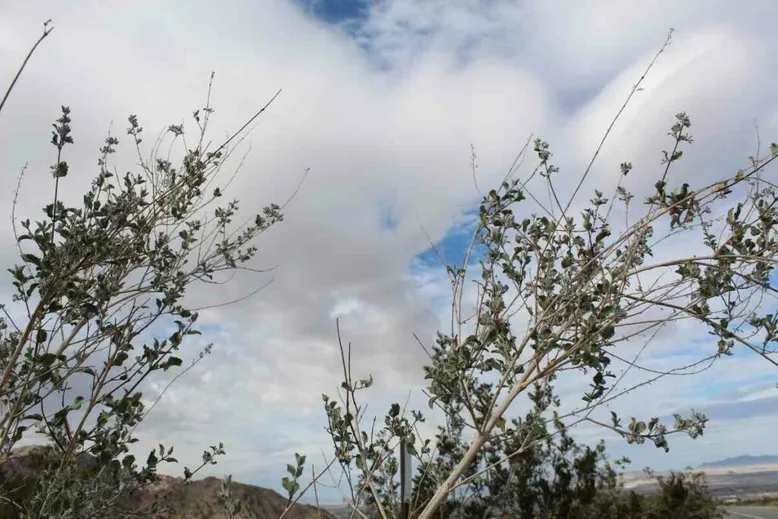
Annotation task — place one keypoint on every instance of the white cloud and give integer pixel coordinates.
(387, 127)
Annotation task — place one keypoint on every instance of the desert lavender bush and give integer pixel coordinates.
(91, 281)
(584, 285)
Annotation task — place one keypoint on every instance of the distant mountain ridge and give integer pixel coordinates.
(740, 461)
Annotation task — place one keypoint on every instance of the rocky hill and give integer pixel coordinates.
(197, 499)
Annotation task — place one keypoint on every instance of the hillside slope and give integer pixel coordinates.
(177, 499)
(199, 500)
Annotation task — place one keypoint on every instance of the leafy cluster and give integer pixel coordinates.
(371, 452)
(555, 477)
(95, 282)
(582, 290)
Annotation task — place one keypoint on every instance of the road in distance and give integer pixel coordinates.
(753, 512)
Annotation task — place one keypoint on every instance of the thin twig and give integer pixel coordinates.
(46, 31)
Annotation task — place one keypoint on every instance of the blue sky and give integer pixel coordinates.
(388, 149)
(337, 12)
(453, 246)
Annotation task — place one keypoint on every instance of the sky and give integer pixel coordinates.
(381, 102)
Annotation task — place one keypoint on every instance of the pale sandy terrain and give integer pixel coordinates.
(735, 480)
